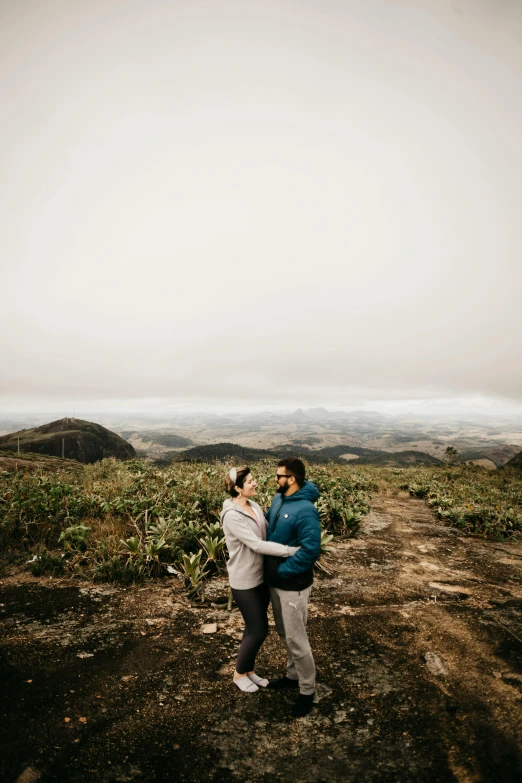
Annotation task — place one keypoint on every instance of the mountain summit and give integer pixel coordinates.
(76, 439)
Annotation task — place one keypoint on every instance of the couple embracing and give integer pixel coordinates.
(271, 558)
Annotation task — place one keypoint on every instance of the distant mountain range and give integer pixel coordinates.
(75, 439)
(319, 435)
(359, 456)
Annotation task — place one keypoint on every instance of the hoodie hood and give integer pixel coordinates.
(229, 505)
(307, 492)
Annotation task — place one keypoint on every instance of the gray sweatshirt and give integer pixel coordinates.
(246, 544)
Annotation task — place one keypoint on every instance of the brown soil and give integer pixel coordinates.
(417, 640)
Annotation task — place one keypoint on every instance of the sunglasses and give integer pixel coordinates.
(283, 475)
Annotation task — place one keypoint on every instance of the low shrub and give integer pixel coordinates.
(468, 497)
(127, 521)
(45, 562)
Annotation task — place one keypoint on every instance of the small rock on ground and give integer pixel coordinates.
(434, 664)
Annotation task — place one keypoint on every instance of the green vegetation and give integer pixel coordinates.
(327, 455)
(128, 521)
(240, 455)
(45, 562)
(477, 501)
(374, 457)
(451, 455)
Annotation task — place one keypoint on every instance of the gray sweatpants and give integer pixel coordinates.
(290, 615)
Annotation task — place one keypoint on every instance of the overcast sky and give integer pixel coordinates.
(272, 201)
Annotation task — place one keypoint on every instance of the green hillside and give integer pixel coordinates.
(376, 457)
(168, 439)
(242, 454)
(75, 439)
(220, 451)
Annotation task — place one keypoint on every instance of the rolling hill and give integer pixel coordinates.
(241, 454)
(75, 439)
(361, 456)
(167, 439)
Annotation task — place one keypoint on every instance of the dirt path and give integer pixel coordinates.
(418, 648)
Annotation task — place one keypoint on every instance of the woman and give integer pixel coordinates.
(245, 527)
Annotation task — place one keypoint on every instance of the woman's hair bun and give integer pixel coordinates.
(236, 478)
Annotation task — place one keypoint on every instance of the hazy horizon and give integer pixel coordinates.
(275, 203)
(437, 409)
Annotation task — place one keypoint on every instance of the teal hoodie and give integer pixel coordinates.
(294, 521)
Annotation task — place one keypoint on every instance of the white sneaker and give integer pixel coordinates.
(261, 681)
(245, 684)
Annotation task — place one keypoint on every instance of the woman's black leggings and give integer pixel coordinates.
(253, 605)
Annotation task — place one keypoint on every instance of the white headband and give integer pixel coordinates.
(233, 475)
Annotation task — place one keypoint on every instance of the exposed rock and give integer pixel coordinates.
(322, 691)
(384, 713)
(434, 664)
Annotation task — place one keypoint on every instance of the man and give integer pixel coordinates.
(293, 520)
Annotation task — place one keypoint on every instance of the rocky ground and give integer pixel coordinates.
(418, 645)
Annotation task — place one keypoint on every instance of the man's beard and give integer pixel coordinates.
(281, 488)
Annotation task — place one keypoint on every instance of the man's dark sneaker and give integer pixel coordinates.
(303, 705)
(282, 682)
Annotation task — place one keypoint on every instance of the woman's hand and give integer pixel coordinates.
(293, 550)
